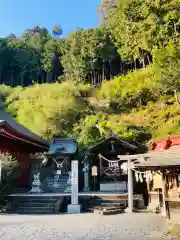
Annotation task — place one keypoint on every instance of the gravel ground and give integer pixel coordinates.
(136, 226)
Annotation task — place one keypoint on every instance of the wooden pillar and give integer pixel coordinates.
(164, 194)
(101, 166)
(148, 190)
(130, 187)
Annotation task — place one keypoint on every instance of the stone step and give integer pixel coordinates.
(112, 197)
(96, 201)
(113, 205)
(35, 210)
(60, 185)
(108, 211)
(52, 182)
(35, 207)
(35, 204)
(21, 190)
(36, 200)
(112, 212)
(107, 208)
(60, 179)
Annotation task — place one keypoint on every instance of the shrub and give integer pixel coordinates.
(135, 89)
(5, 90)
(49, 109)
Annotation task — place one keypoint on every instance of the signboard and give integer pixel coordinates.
(94, 171)
(157, 181)
(74, 182)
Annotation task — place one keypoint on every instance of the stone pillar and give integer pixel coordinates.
(130, 187)
(86, 178)
(74, 207)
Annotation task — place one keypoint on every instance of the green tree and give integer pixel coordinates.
(167, 67)
(10, 172)
(137, 26)
(85, 51)
(57, 31)
(51, 60)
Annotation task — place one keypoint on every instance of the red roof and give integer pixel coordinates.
(166, 143)
(8, 131)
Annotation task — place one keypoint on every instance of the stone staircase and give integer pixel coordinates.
(37, 204)
(108, 205)
(61, 185)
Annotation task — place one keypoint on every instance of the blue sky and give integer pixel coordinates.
(18, 15)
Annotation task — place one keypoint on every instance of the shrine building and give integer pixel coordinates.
(163, 162)
(19, 142)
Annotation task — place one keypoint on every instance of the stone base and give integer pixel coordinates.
(36, 190)
(86, 189)
(68, 189)
(127, 210)
(73, 209)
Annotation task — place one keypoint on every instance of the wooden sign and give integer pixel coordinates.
(94, 171)
(157, 181)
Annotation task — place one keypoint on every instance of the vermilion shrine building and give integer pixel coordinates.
(20, 143)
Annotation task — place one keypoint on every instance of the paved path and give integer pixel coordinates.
(136, 226)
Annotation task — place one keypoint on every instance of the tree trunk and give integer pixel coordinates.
(176, 97)
(103, 74)
(110, 76)
(149, 62)
(121, 68)
(22, 81)
(11, 79)
(143, 63)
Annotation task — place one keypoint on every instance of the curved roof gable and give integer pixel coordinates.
(7, 120)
